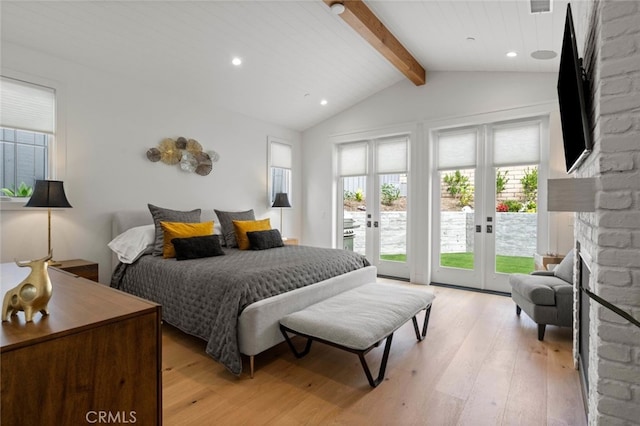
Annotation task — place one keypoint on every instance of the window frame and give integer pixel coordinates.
(270, 141)
(57, 154)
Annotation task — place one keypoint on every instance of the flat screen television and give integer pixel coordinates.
(573, 88)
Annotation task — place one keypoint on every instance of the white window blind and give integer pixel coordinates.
(281, 155)
(26, 106)
(392, 155)
(457, 150)
(516, 144)
(352, 159)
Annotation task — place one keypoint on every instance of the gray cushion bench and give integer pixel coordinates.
(359, 320)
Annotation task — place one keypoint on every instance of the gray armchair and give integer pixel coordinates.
(546, 296)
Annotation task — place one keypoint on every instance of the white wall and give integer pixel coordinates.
(110, 122)
(446, 95)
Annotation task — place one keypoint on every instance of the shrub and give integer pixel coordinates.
(501, 181)
(531, 207)
(459, 187)
(502, 207)
(512, 206)
(390, 193)
(456, 183)
(530, 184)
(357, 195)
(466, 198)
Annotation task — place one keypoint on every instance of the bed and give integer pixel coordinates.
(234, 302)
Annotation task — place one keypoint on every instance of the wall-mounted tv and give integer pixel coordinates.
(573, 88)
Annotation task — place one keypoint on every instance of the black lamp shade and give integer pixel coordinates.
(49, 193)
(282, 200)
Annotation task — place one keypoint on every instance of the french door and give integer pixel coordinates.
(373, 205)
(484, 218)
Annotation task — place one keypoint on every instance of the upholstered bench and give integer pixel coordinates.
(359, 320)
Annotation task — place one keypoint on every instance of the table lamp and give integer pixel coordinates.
(49, 194)
(282, 200)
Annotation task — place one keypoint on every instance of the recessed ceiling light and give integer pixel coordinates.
(323, 102)
(236, 61)
(337, 8)
(512, 54)
(543, 54)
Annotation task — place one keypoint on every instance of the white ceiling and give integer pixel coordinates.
(289, 48)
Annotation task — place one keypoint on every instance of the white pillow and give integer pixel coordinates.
(132, 243)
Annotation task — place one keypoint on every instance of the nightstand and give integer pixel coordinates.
(290, 241)
(541, 261)
(80, 267)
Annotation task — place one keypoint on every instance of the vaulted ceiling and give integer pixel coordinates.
(294, 53)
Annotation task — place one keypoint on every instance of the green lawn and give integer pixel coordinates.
(504, 264)
(394, 257)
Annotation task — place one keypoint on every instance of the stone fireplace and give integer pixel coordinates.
(606, 344)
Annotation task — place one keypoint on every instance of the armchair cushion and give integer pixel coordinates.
(538, 289)
(564, 270)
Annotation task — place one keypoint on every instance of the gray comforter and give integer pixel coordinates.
(204, 297)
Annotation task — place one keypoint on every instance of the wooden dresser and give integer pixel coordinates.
(96, 356)
(83, 268)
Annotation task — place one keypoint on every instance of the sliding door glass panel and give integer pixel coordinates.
(354, 213)
(516, 153)
(516, 224)
(457, 218)
(393, 217)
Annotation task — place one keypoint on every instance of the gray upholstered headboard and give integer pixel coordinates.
(128, 219)
(124, 220)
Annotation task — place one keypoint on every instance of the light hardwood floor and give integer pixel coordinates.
(480, 364)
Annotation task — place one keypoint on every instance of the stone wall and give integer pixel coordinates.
(611, 235)
(515, 232)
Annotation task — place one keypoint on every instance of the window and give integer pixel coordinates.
(26, 132)
(280, 162)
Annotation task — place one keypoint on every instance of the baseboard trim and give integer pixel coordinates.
(477, 290)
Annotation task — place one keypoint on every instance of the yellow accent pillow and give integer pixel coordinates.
(243, 226)
(173, 230)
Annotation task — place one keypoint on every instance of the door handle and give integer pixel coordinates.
(489, 229)
(368, 224)
(375, 224)
(478, 228)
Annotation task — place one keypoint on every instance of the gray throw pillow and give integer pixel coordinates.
(160, 214)
(226, 222)
(564, 270)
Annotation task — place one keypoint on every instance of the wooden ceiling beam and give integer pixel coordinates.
(366, 23)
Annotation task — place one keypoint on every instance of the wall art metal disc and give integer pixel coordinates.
(181, 143)
(188, 153)
(169, 153)
(188, 162)
(193, 145)
(153, 154)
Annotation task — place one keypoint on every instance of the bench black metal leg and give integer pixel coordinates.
(307, 347)
(422, 335)
(383, 364)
